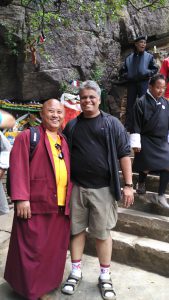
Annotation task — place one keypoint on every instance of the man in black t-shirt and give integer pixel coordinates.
(96, 140)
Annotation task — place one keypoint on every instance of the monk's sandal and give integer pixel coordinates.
(106, 289)
(72, 282)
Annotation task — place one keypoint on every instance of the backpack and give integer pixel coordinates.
(34, 140)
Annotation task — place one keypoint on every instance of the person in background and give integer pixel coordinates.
(97, 141)
(165, 71)
(40, 190)
(6, 120)
(138, 68)
(149, 138)
(5, 149)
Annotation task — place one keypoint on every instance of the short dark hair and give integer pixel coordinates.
(156, 77)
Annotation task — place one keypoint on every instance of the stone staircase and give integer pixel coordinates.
(141, 236)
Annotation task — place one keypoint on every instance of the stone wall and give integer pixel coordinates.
(71, 53)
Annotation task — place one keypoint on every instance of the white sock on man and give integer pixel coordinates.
(76, 271)
(76, 267)
(105, 275)
(104, 271)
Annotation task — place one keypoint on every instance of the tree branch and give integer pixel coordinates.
(144, 6)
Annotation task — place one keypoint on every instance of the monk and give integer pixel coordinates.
(40, 190)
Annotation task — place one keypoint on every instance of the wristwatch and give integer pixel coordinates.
(129, 184)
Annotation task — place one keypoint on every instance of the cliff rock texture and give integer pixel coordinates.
(76, 52)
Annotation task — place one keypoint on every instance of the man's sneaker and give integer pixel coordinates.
(160, 200)
(140, 188)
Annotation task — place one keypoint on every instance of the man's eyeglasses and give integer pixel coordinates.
(60, 155)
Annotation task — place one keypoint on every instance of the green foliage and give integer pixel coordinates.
(97, 73)
(43, 14)
(57, 12)
(47, 57)
(152, 4)
(66, 87)
(63, 86)
(10, 41)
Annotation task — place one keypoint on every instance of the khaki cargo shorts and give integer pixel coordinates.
(94, 209)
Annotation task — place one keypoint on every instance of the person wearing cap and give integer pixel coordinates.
(138, 68)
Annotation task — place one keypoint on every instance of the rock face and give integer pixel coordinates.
(79, 52)
(11, 18)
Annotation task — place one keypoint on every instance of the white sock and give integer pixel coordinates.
(105, 275)
(76, 268)
(104, 271)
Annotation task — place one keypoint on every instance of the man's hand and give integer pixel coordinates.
(128, 196)
(23, 209)
(2, 171)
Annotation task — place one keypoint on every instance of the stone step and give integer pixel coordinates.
(145, 253)
(143, 203)
(143, 224)
(152, 182)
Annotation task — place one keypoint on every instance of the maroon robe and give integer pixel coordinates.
(38, 246)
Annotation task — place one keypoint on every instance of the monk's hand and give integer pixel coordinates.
(23, 209)
(136, 150)
(128, 196)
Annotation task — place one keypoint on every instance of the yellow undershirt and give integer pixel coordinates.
(60, 169)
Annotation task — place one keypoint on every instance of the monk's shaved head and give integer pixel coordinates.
(51, 101)
(52, 114)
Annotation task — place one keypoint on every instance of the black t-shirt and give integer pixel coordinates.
(89, 163)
